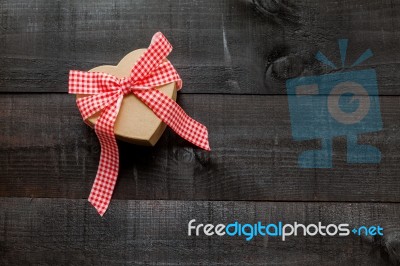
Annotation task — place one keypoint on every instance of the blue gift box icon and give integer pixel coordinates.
(331, 105)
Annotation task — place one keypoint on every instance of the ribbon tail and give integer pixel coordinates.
(173, 115)
(154, 55)
(107, 173)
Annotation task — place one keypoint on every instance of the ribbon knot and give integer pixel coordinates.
(126, 88)
(105, 95)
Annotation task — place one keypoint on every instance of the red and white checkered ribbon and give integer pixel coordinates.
(106, 94)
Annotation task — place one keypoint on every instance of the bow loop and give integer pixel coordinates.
(82, 82)
(163, 74)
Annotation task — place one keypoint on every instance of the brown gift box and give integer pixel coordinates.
(136, 123)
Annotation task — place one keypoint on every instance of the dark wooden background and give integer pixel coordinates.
(234, 58)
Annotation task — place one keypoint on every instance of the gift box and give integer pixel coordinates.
(135, 123)
(133, 101)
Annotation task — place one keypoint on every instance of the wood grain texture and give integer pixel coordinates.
(239, 47)
(234, 58)
(47, 151)
(59, 231)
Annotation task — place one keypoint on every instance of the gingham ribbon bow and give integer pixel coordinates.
(106, 94)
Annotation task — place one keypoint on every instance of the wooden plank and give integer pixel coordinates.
(246, 47)
(47, 151)
(59, 231)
